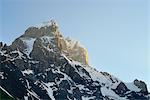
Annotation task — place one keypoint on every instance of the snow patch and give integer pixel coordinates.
(111, 94)
(49, 90)
(88, 98)
(132, 87)
(29, 43)
(1, 75)
(34, 94)
(97, 76)
(3, 52)
(34, 62)
(47, 39)
(19, 53)
(28, 71)
(28, 84)
(25, 97)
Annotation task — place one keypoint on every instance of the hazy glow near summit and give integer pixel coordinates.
(115, 32)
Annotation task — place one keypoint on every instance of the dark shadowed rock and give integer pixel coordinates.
(142, 86)
(18, 44)
(121, 89)
(1, 44)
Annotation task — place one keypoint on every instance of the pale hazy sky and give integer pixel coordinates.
(115, 32)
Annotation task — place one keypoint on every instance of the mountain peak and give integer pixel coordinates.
(48, 36)
(45, 28)
(47, 66)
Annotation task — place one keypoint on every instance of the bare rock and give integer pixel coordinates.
(141, 85)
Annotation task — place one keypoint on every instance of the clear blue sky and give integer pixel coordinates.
(115, 32)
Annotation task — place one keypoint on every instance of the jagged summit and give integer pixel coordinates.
(48, 36)
(49, 28)
(48, 23)
(43, 65)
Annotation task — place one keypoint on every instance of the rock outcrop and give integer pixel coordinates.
(141, 85)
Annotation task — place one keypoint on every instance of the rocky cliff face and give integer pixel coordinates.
(43, 65)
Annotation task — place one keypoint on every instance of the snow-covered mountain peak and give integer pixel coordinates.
(47, 66)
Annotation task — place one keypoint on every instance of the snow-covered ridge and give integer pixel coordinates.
(97, 76)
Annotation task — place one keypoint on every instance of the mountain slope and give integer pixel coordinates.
(43, 65)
